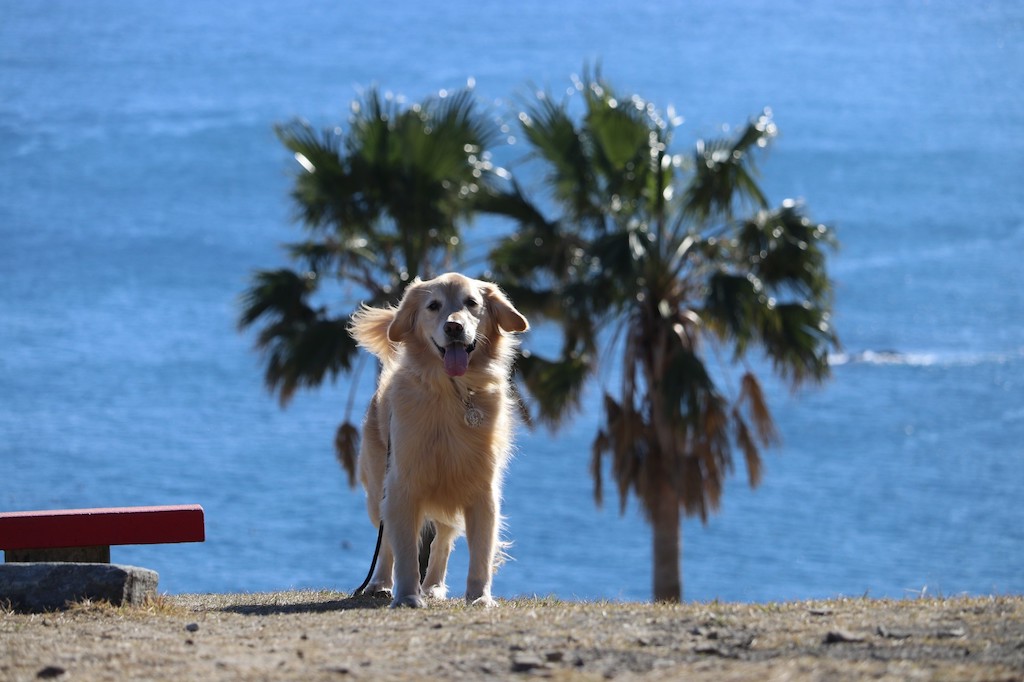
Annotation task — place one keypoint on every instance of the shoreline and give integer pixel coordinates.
(325, 635)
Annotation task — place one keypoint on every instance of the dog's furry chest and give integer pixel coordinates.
(434, 443)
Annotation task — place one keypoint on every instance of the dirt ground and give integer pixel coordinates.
(329, 636)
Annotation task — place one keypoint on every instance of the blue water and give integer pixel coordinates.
(140, 184)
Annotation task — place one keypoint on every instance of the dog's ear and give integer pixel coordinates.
(405, 317)
(508, 318)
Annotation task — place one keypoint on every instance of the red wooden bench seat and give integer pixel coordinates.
(87, 534)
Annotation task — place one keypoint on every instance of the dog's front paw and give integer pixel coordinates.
(436, 591)
(413, 601)
(376, 589)
(485, 601)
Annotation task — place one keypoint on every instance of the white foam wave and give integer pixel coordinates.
(920, 359)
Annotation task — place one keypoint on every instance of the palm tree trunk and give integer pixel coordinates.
(668, 584)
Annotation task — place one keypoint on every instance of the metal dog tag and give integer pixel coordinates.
(474, 417)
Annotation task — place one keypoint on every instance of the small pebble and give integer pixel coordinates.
(891, 634)
(953, 633)
(709, 650)
(524, 662)
(50, 672)
(192, 627)
(839, 636)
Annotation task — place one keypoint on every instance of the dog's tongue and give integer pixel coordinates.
(456, 360)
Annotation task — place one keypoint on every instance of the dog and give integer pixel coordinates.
(437, 433)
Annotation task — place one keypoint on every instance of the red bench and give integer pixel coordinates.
(85, 535)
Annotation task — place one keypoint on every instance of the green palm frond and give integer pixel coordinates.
(302, 345)
(304, 354)
(724, 174)
(556, 141)
(556, 386)
(329, 256)
(327, 194)
(787, 250)
(277, 294)
(686, 384)
(512, 203)
(619, 134)
(735, 307)
(662, 257)
(797, 338)
(456, 123)
(648, 243)
(382, 201)
(628, 142)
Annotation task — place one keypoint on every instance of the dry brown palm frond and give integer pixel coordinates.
(713, 469)
(600, 446)
(751, 454)
(346, 447)
(753, 396)
(692, 497)
(618, 441)
(714, 420)
(631, 454)
(713, 494)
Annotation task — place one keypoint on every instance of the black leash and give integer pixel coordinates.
(373, 563)
(380, 531)
(427, 532)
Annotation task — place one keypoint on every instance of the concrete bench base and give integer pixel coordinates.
(35, 587)
(99, 554)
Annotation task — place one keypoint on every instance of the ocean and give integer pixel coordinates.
(141, 184)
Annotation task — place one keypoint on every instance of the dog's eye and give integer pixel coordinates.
(434, 306)
(472, 303)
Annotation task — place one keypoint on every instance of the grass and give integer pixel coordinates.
(312, 634)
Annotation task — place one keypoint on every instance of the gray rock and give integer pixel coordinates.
(842, 636)
(35, 587)
(883, 631)
(50, 672)
(524, 662)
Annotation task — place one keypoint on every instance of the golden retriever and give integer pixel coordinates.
(437, 434)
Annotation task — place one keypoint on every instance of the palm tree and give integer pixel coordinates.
(678, 267)
(380, 203)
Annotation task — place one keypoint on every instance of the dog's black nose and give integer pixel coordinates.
(453, 330)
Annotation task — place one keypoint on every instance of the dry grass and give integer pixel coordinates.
(328, 636)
